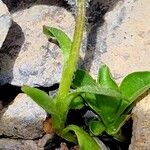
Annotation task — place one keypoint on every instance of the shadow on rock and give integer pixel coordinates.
(16, 5)
(95, 19)
(9, 52)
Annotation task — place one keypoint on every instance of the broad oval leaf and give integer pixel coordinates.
(63, 40)
(82, 78)
(41, 98)
(135, 84)
(105, 78)
(85, 141)
(132, 87)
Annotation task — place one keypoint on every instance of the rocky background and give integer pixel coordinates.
(117, 34)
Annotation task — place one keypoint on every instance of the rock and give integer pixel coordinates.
(22, 119)
(5, 22)
(141, 125)
(12, 144)
(29, 58)
(124, 39)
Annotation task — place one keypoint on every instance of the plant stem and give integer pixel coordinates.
(70, 67)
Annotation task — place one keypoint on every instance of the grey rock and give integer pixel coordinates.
(123, 39)
(5, 22)
(22, 119)
(14, 144)
(27, 57)
(141, 125)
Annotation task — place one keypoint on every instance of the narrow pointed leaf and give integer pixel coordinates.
(105, 78)
(41, 98)
(85, 141)
(63, 40)
(82, 78)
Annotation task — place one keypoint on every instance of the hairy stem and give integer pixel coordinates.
(70, 66)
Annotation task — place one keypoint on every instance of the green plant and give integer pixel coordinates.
(110, 102)
(113, 111)
(64, 98)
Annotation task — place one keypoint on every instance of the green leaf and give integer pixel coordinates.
(105, 78)
(135, 84)
(82, 78)
(104, 102)
(63, 40)
(97, 90)
(77, 103)
(96, 127)
(85, 141)
(41, 98)
(132, 87)
(105, 106)
(114, 128)
(64, 104)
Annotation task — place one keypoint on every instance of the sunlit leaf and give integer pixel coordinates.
(132, 87)
(135, 84)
